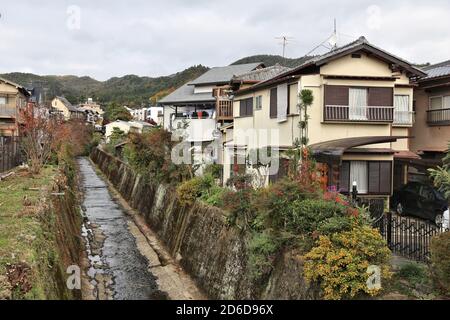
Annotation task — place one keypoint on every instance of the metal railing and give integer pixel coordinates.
(359, 114)
(7, 111)
(406, 236)
(438, 116)
(403, 117)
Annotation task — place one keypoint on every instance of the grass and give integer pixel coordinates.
(21, 232)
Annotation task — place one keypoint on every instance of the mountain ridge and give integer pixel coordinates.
(130, 90)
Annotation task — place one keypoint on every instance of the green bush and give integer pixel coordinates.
(440, 259)
(214, 196)
(214, 170)
(307, 215)
(189, 191)
(262, 251)
(412, 272)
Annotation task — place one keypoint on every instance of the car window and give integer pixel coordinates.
(427, 193)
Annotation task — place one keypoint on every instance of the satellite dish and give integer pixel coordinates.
(333, 40)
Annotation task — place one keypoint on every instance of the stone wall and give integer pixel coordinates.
(211, 251)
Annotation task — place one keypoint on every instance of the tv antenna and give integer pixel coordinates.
(285, 41)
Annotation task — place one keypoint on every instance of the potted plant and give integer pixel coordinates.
(199, 114)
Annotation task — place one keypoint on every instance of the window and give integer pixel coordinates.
(436, 103)
(2, 100)
(246, 107)
(273, 103)
(282, 102)
(401, 109)
(371, 177)
(357, 104)
(358, 174)
(258, 102)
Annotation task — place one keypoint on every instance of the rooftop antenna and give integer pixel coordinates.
(330, 43)
(285, 41)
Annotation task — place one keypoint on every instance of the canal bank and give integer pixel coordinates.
(123, 258)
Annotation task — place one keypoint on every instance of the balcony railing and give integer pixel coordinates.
(438, 117)
(224, 109)
(7, 111)
(403, 118)
(359, 114)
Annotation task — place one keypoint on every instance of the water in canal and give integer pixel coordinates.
(117, 258)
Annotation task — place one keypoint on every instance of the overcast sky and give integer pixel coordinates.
(103, 38)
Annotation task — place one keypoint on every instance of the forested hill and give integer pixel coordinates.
(270, 60)
(128, 90)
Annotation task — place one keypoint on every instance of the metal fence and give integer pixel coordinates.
(407, 236)
(9, 153)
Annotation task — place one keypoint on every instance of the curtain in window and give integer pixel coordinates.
(2, 100)
(447, 102)
(436, 103)
(358, 173)
(282, 102)
(357, 104)
(401, 109)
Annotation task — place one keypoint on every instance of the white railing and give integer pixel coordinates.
(403, 117)
(194, 129)
(360, 113)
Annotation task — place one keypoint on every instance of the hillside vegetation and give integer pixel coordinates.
(130, 90)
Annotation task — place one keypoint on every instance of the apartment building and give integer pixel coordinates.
(359, 121)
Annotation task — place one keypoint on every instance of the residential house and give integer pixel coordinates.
(61, 106)
(156, 114)
(431, 129)
(195, 110)
(93, 112)
(126, 127)
(138, 114)
(359, 120)
(13, 98)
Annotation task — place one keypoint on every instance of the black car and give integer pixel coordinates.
(420, 200)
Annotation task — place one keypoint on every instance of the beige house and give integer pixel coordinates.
(13, 97)
(61, 106)
(126, 127)
(431, 129)
(359, 121)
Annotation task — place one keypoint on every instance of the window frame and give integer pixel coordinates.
(258, 98)
(436, 97)
(248, 107)
(369, 162)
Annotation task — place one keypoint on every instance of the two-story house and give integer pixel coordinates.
(432, 107)
(62, 107)
(200, 105)
(13, 98)
(359, 120)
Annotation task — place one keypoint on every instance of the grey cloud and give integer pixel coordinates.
(162, 37)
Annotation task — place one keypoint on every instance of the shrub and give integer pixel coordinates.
(340, 262)
(214, 170)
(307, 215)
(240, 181)
(190, 190)
(262, 250)
(214, 196)
(440, 259)
(239, 205)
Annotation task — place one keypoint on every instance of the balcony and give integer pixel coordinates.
(194, 130)
(403, 118)
(358, 114)
(7, 111)
(438, 117)
(224, 109)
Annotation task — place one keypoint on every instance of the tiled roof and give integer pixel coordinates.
(360, 43)
(437, 70)
(219, 75)
(68, 104)
(185, 93)
(262, 74)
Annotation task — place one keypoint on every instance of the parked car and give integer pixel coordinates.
(420, 200)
